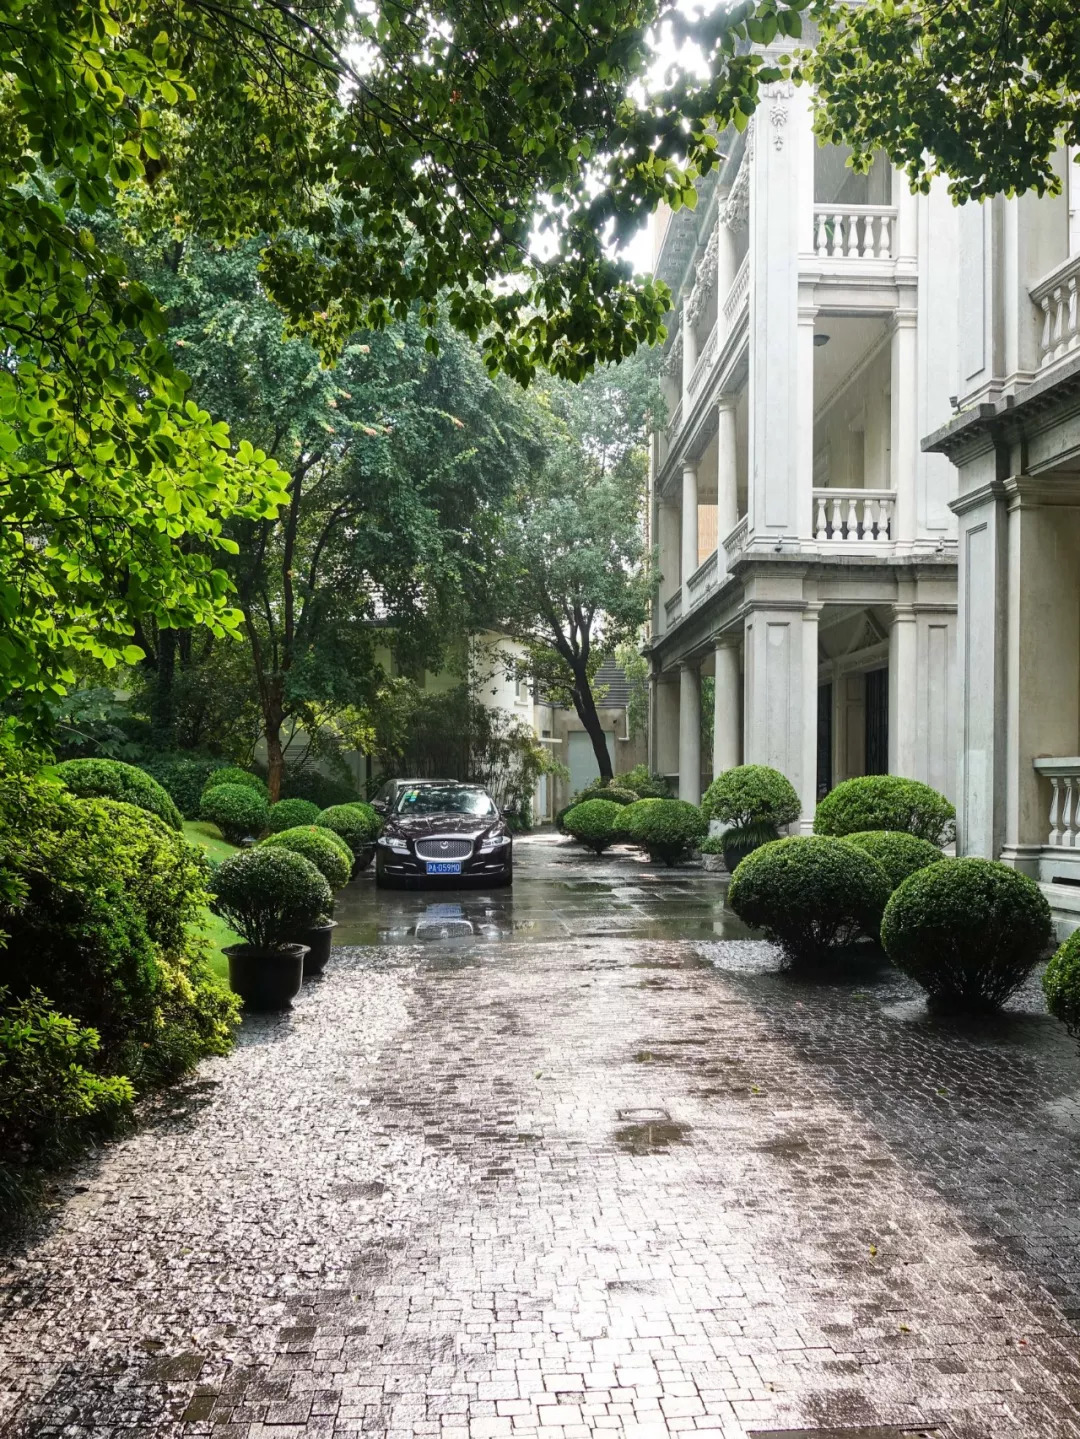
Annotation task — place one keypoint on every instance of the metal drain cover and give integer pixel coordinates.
(644, 1116)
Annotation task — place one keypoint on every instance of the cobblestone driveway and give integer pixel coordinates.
(558, 1188)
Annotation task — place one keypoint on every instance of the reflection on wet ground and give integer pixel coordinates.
(559, 891)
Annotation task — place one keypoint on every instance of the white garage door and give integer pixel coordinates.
(583, 766)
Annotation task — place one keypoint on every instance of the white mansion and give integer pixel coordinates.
(856, 376)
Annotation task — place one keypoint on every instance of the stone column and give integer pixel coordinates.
(807, 783)
(727, 707)
(904, 424)
(689, 358)
(903, 690)
(727, 470)
(689, 526)
(689, 732)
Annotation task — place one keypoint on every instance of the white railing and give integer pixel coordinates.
(701, 581)
(673, 608)
(854, 232)
(1064, 777)
(1058, 307)
(738, 297)
(735, 543)
(853, 516)
(705, 360)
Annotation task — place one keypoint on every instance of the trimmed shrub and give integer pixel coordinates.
(184, 776)
(233, 774)
(751, 793)
(357, 824)
(111, 779)
(51, 1099)
(969, 931)
(592, 823)
(644, 784)
(336, 840)
(712, 844)
(811, 895)
(330, 857)
(288, 813)
(886, 801)
(1061, 984)
(104, 929)
(322, 790)
(666, 828)
(898, 853)
(237, 810)
(614, 794)
(268, 894)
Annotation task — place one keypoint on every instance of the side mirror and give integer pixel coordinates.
(380, 806)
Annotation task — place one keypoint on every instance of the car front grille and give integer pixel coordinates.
(443, 848)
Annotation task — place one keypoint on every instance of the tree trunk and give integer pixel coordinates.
(586, 711)
(273, 719)
(162, 707)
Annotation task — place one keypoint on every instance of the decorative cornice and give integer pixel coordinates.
(705, 284)
(735, 211)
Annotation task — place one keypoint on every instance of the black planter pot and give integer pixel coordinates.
(317, 942)
(362, 860)
(266, 980)
(740, 845)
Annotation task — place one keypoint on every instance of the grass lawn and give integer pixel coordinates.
(208, 838)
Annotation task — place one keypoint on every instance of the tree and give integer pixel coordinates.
(575, 576)
(399, 463)
(982, 91)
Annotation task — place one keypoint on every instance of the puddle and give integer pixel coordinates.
(653, 1137)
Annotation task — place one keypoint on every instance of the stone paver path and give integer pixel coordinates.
(571, 1188)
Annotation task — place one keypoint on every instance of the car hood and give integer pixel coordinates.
(417, 826)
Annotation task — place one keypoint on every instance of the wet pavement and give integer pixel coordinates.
(559, 1177)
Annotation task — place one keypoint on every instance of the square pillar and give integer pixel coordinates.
(727, 469)
(727, 707)
(807, 782)
(780, 697)
(689, 732)
(904, 423)
(903, 693)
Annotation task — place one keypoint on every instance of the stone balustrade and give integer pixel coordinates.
(854, 232)
(735, 542)
(705, 360)
(1055, 298)
(1064, 777)
(701, 581)
(738, 297)
(853, 516)
(673, 608)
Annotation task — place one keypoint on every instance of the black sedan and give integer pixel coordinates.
(444, 833)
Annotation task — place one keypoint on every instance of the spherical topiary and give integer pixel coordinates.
(616, 795)
(110, 779)
(810, 895)
(592, 823)
(751, 793)
(886, 801)
(288, 813)
(236, 809)
(184, 775)
(233, 774)
(970, 931)
(336, 840)
(357, 824)
(318, 846)
(269, 894)
(898, 852)
(1061, 984)
(666, 828)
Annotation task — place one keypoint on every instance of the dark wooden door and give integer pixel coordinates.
(824, 739)
(877, 722)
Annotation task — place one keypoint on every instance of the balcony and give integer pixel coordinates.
(854, 232)
(853, 517)
(701, 581)
(673, 609)
(1064, 821)
(734, 308)
(735, 543)
(1055, 300)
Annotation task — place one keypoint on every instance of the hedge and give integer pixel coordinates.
(811, 895)
(969, 931)
(111, 779)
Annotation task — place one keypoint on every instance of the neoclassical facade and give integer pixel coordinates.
(806, 539)
(1015, 442)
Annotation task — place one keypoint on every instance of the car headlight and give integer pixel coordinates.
(492, 841)
(394, 842)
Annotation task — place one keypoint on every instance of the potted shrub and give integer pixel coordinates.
(969, 931)
(358, 825)
(712, 852)
(886, 801)
(269, 895)
(239, 811)
(811, 895)
(898, 853)
(324, 850)
(755, 803)
(592, 823)
(665, 828)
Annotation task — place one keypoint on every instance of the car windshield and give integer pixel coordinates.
(432, 800)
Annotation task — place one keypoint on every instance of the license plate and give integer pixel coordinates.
(444, 866)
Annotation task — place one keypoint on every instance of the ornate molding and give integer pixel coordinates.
(735, 211)
(705, 284)
(672, 364)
